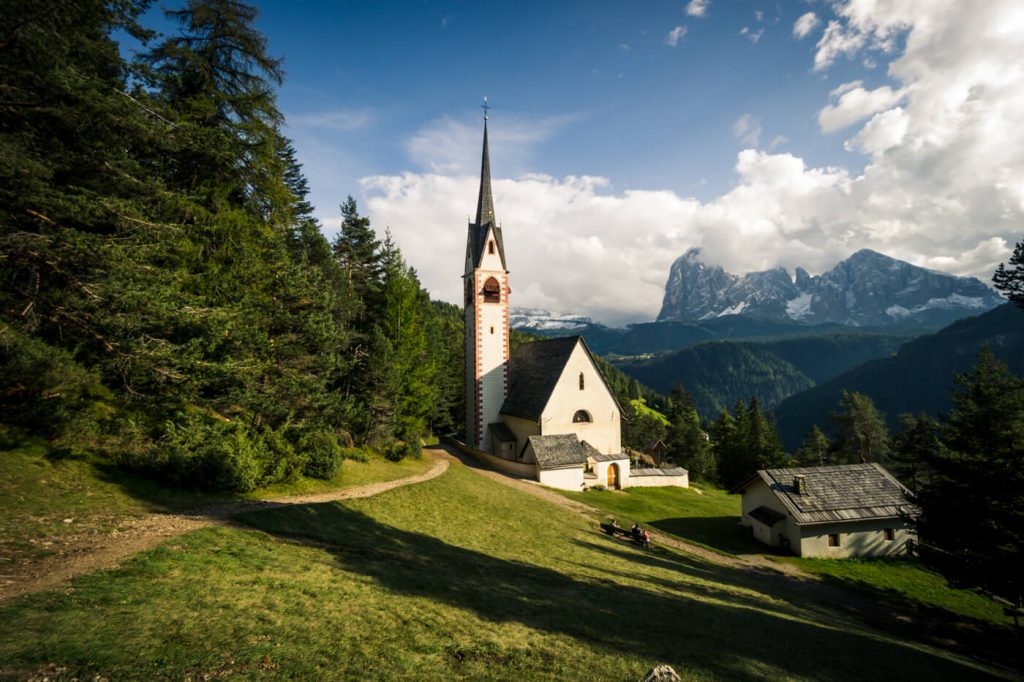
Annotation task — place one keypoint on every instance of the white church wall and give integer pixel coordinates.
(522, 429)
(563, 479)
(682, 481)
(604, 431)
(601, 471)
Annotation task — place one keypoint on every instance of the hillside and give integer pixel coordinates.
(918, 378)
(719, 373)
(459, 577)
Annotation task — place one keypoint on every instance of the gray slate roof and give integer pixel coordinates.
(501, 432)
(534, 370)
(845, 492)
(558, 451)
(608, 458)
(677, 471)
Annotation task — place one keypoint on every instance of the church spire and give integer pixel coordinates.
(485, 204)
(485, 221)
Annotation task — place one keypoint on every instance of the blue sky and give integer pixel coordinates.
(767, 133)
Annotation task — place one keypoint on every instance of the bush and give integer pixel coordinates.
(323, 454)
(402, 449)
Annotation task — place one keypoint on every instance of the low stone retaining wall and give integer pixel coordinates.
(652, 478)
(506, 466)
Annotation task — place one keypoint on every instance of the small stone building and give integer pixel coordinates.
(850, 510)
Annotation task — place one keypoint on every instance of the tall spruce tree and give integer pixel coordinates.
(685, 440)
(814, 450)
(1010, 280)
(971, 502)
(862, 433)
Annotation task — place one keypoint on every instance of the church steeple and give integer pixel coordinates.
(485, 221)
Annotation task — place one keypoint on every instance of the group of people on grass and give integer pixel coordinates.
(637, 534)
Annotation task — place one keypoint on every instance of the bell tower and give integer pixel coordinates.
(486, 291)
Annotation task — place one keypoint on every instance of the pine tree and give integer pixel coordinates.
(912, 447)
(971, 501)
(685, 439)
(863, 435)
(814, 450)
(358, 252)
(1010, 280)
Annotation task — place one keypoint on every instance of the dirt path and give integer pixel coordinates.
(789, 582)
(85, 554)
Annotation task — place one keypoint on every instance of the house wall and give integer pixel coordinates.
(758, 494)
(522, 429)
(601, 471)
(856, 538)
(564, 479)
(659, 481)
(604, 431)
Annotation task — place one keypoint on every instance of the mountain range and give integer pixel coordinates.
(868, 289)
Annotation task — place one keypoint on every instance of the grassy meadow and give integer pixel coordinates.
(459, 577)
(709, 516)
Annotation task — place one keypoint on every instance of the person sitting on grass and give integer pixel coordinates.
(646, 538)
(635, 532)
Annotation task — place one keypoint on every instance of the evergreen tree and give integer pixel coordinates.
(912, 447)
(863, 435)
(814, 450)
(971, 501)
(685, 439)
(1010, 280)
(358, 252)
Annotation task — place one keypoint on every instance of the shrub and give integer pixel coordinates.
(402, 449)
(323, 454)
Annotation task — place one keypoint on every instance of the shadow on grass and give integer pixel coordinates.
(710, 629)
(719, 532)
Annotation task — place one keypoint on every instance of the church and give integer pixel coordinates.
(544, 412)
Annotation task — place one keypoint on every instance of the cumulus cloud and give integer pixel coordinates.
(854, 103)
(942, 183)
(752, 36)
(804, 25)
(697, 8)
(675, 35)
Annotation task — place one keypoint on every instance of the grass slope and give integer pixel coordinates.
(710, 519)
(456, 578)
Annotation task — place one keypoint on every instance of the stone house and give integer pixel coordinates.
(849, 510)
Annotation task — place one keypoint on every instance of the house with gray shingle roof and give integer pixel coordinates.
(829, 511)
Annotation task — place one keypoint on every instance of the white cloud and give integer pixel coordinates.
(747, 130)
(854, 104)
(697, 8)
(943, 184)
(339, 120)
(804, 25)
(752, 36)
(675, 35)
(759, 15)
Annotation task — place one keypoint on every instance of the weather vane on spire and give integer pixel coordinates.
(486, 107)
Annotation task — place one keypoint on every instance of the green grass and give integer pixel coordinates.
(459, 577)
(709, 519)
(706, 517)
(641, 407)
(41, 487)
(907, 583)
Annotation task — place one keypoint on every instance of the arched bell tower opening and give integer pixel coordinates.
(486, 315)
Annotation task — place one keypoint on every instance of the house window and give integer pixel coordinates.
(581, 381)
(490, 248)
(581, 416)
(492, 330)
(833, 539)
(889, 534)
(492, 291)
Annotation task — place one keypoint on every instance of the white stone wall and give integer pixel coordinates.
(659, 481)
(522, 429)
(564, 479)
(601, 471)
(604, 431)
(758, 494)
(856, 538)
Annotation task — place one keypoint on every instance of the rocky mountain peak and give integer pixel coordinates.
(867, 289)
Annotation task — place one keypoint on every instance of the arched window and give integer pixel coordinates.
(581, 416)
(490, 247)
(492, 291)
(581, 381)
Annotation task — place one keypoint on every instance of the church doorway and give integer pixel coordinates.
(613, 477)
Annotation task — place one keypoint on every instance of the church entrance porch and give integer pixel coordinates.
(614, 477)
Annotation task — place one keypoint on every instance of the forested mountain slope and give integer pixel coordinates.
(918, 378)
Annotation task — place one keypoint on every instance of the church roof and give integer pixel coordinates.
(484, 215)
(559, 451)
(534, 370)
